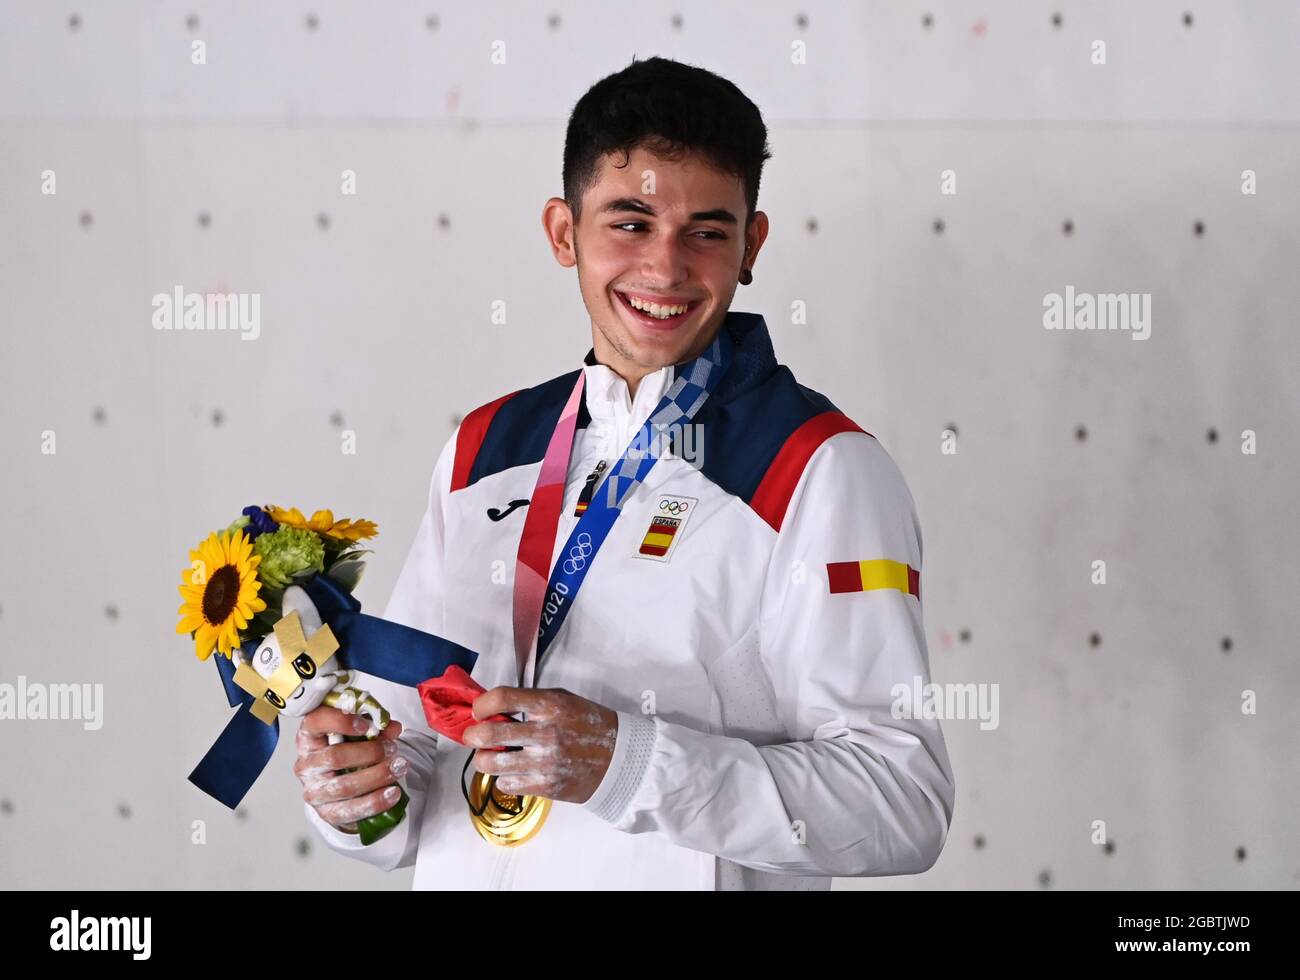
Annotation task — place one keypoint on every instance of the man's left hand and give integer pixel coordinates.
(566, 742)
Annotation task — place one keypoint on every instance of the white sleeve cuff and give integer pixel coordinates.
(633, 750)
(339, 840)
(386, 854)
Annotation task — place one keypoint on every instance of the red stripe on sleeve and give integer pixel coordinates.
(913, 581)
(473, 430)
(845, 576)
(777, 487)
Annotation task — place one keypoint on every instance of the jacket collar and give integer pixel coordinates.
(606, 397)
(753, 361)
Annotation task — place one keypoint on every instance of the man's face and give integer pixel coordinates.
(656, 233)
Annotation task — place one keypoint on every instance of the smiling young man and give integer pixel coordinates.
(701, 636)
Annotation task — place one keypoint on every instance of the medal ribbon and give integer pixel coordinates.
(541, 606)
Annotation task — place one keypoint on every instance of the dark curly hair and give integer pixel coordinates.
(668, 108)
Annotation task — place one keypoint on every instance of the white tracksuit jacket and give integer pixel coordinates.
(756, 744)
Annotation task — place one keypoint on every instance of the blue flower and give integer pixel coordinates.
(259, 522)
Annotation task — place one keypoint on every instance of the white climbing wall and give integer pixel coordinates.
(1119, 702)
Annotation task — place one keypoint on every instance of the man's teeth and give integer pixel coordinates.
(655, 310)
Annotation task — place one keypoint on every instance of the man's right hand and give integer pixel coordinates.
(342, 800)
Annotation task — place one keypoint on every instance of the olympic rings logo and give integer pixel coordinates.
(579, 554)
(674, 506)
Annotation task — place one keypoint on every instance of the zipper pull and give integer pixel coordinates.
(584, 498)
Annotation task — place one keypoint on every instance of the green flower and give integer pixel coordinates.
(286, 553)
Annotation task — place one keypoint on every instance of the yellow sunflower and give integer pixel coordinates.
(322, 522)
(220, 589)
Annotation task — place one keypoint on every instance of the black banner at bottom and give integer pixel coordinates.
(242, 931)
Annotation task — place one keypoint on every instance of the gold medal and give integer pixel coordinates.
(503, 818)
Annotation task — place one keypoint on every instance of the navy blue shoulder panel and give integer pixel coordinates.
(743, 434)
(522, 427)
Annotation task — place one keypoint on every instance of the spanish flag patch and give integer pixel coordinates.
(659, 538)
(877, 573)
(667, 520)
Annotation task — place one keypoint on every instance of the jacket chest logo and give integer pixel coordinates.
(667, 519)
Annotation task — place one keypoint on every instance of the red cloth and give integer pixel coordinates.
(448, 702)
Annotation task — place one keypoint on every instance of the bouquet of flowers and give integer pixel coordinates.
(272, 595)
(234, 588)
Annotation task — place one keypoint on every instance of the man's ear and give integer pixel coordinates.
(557, 222)
(755, 235)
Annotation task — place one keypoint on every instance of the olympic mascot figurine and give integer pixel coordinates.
(320, 680)
(327, 684)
